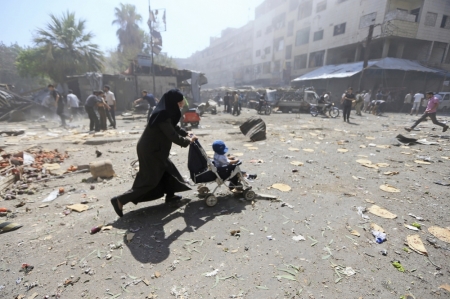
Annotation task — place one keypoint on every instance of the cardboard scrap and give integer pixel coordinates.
(281, 187)
(422, 162)
(383, 213)
(445, 287)
(364, 161)
(293, 149)
(442, 234)
(78, 207)
(382, 165)
(308, 150)
(389, 188)
(415, 243)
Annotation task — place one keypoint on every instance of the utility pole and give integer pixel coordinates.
(150, 25)
(366, 54)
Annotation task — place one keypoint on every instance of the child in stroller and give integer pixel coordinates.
(203, 170)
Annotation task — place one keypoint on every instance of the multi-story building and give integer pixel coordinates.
(289, 38)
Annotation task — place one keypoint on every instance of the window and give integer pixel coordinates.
(445, 23)
(416, 13)
(258, 33)
(318, 35)
(266, 67)
(339, 29)
(278, 44)
(302, 36)
(267, 50)
(293, 4)
(305, 9)
(290, 28)
(430, 19)
(321, 6)
(276, 66)
(278, 22)
(268, 29)
(288, 52)
(300, 61)
(367, 20)
(258, 53)
(316, 58)
(257, 68)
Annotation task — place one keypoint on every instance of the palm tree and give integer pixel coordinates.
(66, 49)
(129, 34)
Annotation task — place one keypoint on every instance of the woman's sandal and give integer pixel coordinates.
(115, 204)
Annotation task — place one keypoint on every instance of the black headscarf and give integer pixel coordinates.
(167, 108)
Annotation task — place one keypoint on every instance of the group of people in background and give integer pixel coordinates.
(232, 103)
(99, 106)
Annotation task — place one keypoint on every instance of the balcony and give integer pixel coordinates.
(400, 23)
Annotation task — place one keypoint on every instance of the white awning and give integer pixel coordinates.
(350, 69)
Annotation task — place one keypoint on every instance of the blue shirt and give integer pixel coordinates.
(91, 101)
(150, 99)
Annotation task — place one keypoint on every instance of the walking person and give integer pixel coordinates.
(59, 103)
(89, 106)
(407, 101)
(347, 101)
(430, 111)
(417, 100)
(367, 96)
(157, 174)
(110, 99)
(359, 102)
(74, 105)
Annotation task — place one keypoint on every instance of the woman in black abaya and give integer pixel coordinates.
(157, 174)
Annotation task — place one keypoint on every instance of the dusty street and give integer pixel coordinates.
(159, 252)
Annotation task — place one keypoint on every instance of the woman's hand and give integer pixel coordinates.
(193, 138)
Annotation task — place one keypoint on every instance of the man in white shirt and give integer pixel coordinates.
(74, 105)
(416, 104)
(110, 99)
(366, 96)
(407, 101)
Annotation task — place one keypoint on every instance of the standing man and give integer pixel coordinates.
(407, 101)
(433, 103)
(367, 96)
(59, 103)
(235, 101)
(347, 101)
(89, 106)
(359, 102)
(110, 99)
(417, 100)
(150, 100)
(74, 104)
(226, 102)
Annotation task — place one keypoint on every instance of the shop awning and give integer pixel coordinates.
(350, 69)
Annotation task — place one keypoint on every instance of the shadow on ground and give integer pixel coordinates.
(150, 243)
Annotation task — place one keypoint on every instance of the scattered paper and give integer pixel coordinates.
(342, 150)
(298, 238)
(411, 227)
(422, 162)
(442, 234)
(389, 188)
(416, 244)
(297, 163)
(309, 150)
(376, 227)
(383, 213)
(282, 187)
(293, 149)
(78, 207)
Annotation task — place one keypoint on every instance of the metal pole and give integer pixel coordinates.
(151, 47)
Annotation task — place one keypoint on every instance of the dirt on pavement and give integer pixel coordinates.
(309, 243)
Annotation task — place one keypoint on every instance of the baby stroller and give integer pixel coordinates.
(203, 171)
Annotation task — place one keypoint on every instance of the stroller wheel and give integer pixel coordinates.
(211, 200)
(249, 194)
(203, 190)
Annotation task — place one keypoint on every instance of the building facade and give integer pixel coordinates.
(289, 38)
